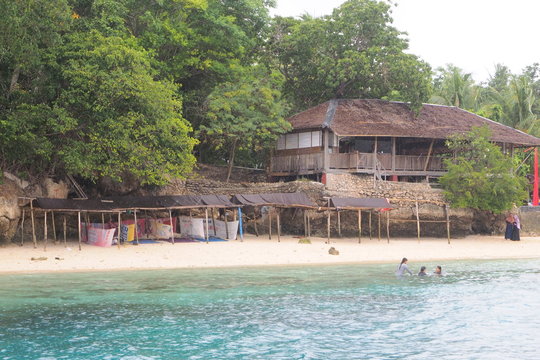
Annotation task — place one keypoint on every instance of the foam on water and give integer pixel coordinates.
(478, 310)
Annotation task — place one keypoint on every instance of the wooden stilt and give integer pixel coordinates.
(379, 225)
(103, 220)
(22, 228)
(359, 226)
(119, 229)
(45, 231)
(87, 221)
(308, 225)
(65, 231)
(206, 215)
(305, 223)
(172, 226)
(136, 227)
(278, 210)
(370, 238)
(447, 222)
(388, 226)
(226, 226)
(54, 228)
(417, 221)
(214, 221)
(34, 239)
(79, 227)
(269, 223)
(338, 222)
(328, 226)
(255, 222)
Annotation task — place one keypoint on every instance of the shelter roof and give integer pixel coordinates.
(297, 199)
(357, 117)
(134, 202)
(350, 203)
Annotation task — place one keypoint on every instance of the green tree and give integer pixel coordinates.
(453, 87)
(353, 53)
(246, 114)
(479, 175)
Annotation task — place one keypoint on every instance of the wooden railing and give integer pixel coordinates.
(297, 164)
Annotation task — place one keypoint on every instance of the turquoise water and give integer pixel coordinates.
(478, 310)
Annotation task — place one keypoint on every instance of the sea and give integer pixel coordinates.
(476, 310)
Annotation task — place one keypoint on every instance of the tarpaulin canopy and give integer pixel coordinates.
(350, 203)
(135, 202)
(297, 199)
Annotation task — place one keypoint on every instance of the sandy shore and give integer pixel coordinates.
(257, 252)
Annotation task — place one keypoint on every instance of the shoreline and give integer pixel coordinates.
(258, 252)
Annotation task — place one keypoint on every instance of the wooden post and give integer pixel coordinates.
(328, 226)
(359, 226)
(447, 222)
(305, 223)
(103, 220)
(269, 223)
(226, 226)
(379, 226)
(388, 226)
(33, 225)
(213, 221)
(136, 227)
(22, 228)
(278, 210)
(255, 222)
(308, 225)
(54, 228)
(45, 231)
(370, 238)
(87, 220)
(393, 154)
(65, 232)
(338, 222)
(428, 155)
(79, 227)
(417, 221)
(119, 229)
(206, 215)
(172, 226)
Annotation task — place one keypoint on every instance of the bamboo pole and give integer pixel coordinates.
(103, 220)
(54, 228)
(226, 226)
(65, 231)
(339, 222)
(79, 227)
(305, 223)
(388, 226)
(447, 222)
(45, 231)
(119, 229)
(136, 227)
(379, 225)
(428, 155)
(417, 222)
(308, 225)
(328, 226)
(22, 228)
(269, 223)
(359, 226)
(172, 226)
(370, 238)
(34, 239)
(206, 215)
(278, 224)
(213, 221)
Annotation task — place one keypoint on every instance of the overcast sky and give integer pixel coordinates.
(471, 34)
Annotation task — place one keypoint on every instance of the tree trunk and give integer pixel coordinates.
(231, 159)
(14, 79)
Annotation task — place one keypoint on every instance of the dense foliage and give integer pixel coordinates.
(480, 176)
(118, 88)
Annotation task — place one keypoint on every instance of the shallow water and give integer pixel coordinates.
(478, 310)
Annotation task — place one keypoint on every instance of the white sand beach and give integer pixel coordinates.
(259, 251)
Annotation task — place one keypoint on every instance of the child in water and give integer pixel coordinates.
(422, 271)
(438, 270)
(402, 268)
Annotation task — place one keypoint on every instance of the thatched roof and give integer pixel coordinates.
(387, 118)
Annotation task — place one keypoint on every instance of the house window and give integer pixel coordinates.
(281, 143)
(291, 141)
(299, 140)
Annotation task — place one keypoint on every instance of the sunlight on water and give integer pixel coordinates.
(478, 310)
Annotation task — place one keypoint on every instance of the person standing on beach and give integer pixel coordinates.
(509, 219)
(516, 227)
(402, 268)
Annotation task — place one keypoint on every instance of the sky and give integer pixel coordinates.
(474, 35)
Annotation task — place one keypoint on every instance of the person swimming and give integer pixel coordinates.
(438, 270)
(402, 268)
(422, 271)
